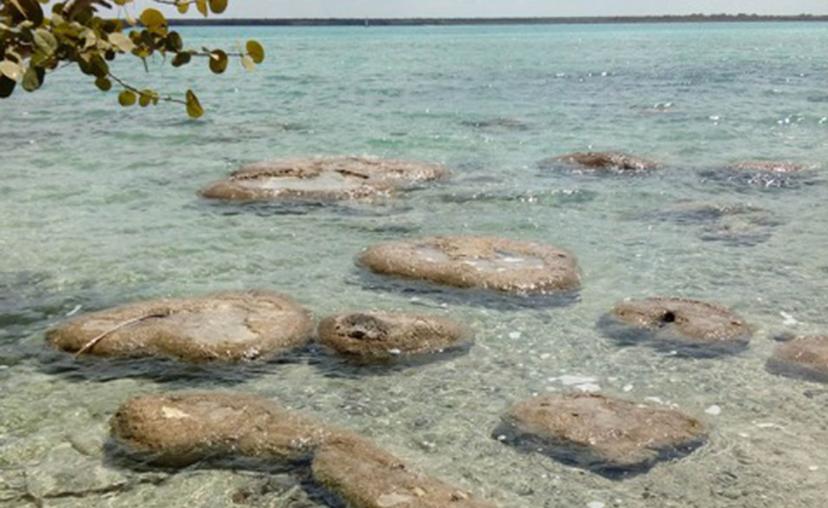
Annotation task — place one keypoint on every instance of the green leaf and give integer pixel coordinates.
(218, 6)
(256, 51)
(127, 98)
(194, 108)
(32, 79)
(104, 84)
(182, 58)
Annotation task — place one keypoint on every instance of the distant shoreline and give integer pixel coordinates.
(696, 18)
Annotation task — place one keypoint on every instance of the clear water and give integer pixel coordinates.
(99, 207)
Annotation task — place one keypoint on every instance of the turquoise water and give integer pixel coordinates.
(99, 207)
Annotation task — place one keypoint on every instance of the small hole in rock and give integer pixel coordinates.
(668, 317)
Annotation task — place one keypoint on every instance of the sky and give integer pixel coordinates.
(490, 8)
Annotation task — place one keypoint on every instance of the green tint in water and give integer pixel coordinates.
(99, 207)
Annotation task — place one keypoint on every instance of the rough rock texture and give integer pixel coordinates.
(322, 179)
(607, 435)
(681, 322)
(602, 162)
(489, 263)
(181, 429)
(367, 477)
(65, 472)
(768, 166)
(223, 326)
(805, 357)
(388, 336)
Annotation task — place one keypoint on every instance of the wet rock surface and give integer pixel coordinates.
(66, 472)
(605, 162)
(382, 337)
(612, 437)
(780, 167)
(223, 327)
(322, 179)
(692, 327)
(367, 477)
(473, 262)
(181, 429)
(802, 357)
(762, 174)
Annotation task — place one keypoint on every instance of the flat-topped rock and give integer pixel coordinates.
(781, 167)
(611, 162)
(489, 263)
(230, 326)
(691, 326)
(607, 435)
(380, 337)
(322, 179)
(803, 357)
(181, 429)
(367, 477)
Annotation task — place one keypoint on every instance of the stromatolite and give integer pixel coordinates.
(372, 337)
(228, 326)
(607, 435)
(489, 263)
(322, 179)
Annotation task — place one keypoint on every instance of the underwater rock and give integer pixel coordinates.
(497, 123)
(611, 162)
(225, 326)
(691, 326)
(477, 262)
(379, 337)
(802, 357)
(181, 429)
(322, 179)
(780, 167)
(66, 472)
(363, 476)
(612, 437)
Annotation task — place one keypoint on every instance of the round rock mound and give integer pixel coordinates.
(322, 179)
(691, 326)
(181, 429)
(225, 326)
(497, 264)
(802, 357)
(383, 337)
(609, 162)
(612, 437)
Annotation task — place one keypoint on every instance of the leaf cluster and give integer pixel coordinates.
(38, 37)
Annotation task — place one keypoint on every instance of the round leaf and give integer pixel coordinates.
(103, 84)
(218, 61)
(256, 51)
(218, 6)
(127, 98)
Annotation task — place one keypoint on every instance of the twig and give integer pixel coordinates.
(89, 345)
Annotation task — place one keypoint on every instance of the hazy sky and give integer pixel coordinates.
(473, 8)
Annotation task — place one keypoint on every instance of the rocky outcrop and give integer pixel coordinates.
(609, 162)
(488, 263)
(691, 326)
(322, 179)
(224, 327)
(382, 337)
(607, 435)
(802, 357)
(181, 429)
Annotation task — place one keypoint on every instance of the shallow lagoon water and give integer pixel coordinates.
(99, 207)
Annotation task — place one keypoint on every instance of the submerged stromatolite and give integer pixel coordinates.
(609, 162)
(181, 429)
(381, 337)
(322, 179)
(690, 326)
(803, 357)
(610, 436)
(477, 262)
(225, 326)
